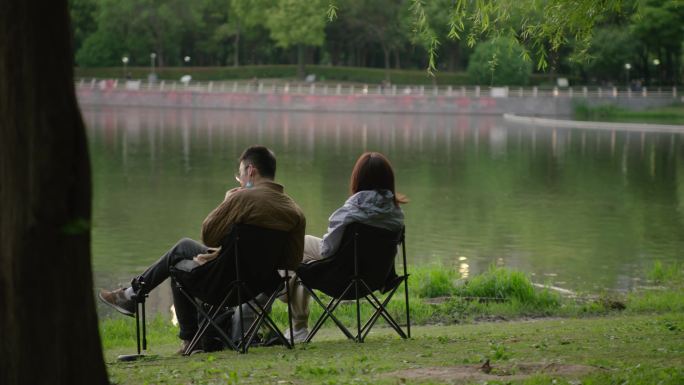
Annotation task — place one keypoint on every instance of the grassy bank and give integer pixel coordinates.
(600, 339)
(618, 349)
(289, 72)
(665, 115)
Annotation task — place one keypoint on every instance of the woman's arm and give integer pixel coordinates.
(338, 221)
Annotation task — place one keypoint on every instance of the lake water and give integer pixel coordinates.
(580, 209)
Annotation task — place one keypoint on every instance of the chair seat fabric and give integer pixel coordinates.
(260, 250)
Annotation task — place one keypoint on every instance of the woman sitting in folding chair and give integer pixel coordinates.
(373, 202)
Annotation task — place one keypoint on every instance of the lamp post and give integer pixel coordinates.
(656, 64)
(124, 60)
(152, 57)
(153, 77)
(627, 68)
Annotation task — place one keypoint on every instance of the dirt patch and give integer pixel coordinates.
(493, 372)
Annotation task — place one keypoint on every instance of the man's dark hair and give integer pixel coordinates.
(262, 158)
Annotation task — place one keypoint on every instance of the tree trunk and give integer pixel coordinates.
(669, 71)
(677, 65)
(647, 73)
(386, 51)
(236, 57)
(454, 56)
(300, 61)
(397, 62)
(335, 55)
(48, 321)
(160, 58)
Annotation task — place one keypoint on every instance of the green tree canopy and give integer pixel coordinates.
(499, 62)
(137, 28)
(293, 22)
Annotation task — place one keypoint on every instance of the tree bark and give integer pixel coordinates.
(335, 55)
(386, 52)
(300, 61)
(647, 73)
(454, 56)
(236, 57)
(48, 321)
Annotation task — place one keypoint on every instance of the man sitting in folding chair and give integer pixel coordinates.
(248, 264)
(373, 202)
(259, 201)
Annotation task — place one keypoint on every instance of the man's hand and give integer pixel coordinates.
(211, 254)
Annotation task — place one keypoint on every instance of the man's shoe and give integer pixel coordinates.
(184, 346)
(299, 335)
(117, 299)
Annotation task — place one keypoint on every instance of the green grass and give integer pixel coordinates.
(289, 72)
(642, 344)
(434, 281)
(665, 115)
(634, 349)
(668, 273)
(120, 331)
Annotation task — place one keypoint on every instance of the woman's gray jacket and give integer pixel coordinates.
(370, 207)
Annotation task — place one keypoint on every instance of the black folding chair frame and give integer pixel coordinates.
(380, 309)
(239, 286)
(139, 321)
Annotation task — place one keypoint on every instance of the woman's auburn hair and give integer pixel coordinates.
(373, 171)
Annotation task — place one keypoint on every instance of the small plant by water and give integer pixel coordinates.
(666, 273)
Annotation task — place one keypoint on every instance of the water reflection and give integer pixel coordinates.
(595, 208)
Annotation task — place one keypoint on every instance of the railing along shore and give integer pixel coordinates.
(301, 88)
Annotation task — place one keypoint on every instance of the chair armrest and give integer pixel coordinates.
(186, 265)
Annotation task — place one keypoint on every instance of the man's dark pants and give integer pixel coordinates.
(157, 273)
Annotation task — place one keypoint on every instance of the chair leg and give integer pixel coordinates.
(385, 314)
(358, 311)
(144, 327)
(319, 321)
(139, 318)
(289, 306)
(202, 327)
(406, 298)
(328, 312)
(242, 323)
(210, 321)
(262, 316)
(406, 277)
(137, 327)
(381, 310)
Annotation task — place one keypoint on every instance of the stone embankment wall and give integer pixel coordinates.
(519, 102)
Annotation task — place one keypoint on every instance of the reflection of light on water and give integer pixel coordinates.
(464, 270)
(174, 319)
(500, 262)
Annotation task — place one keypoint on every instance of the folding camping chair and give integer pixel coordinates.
(246, 266)
(363, 264)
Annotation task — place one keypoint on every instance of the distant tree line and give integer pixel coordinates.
(638, 40)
